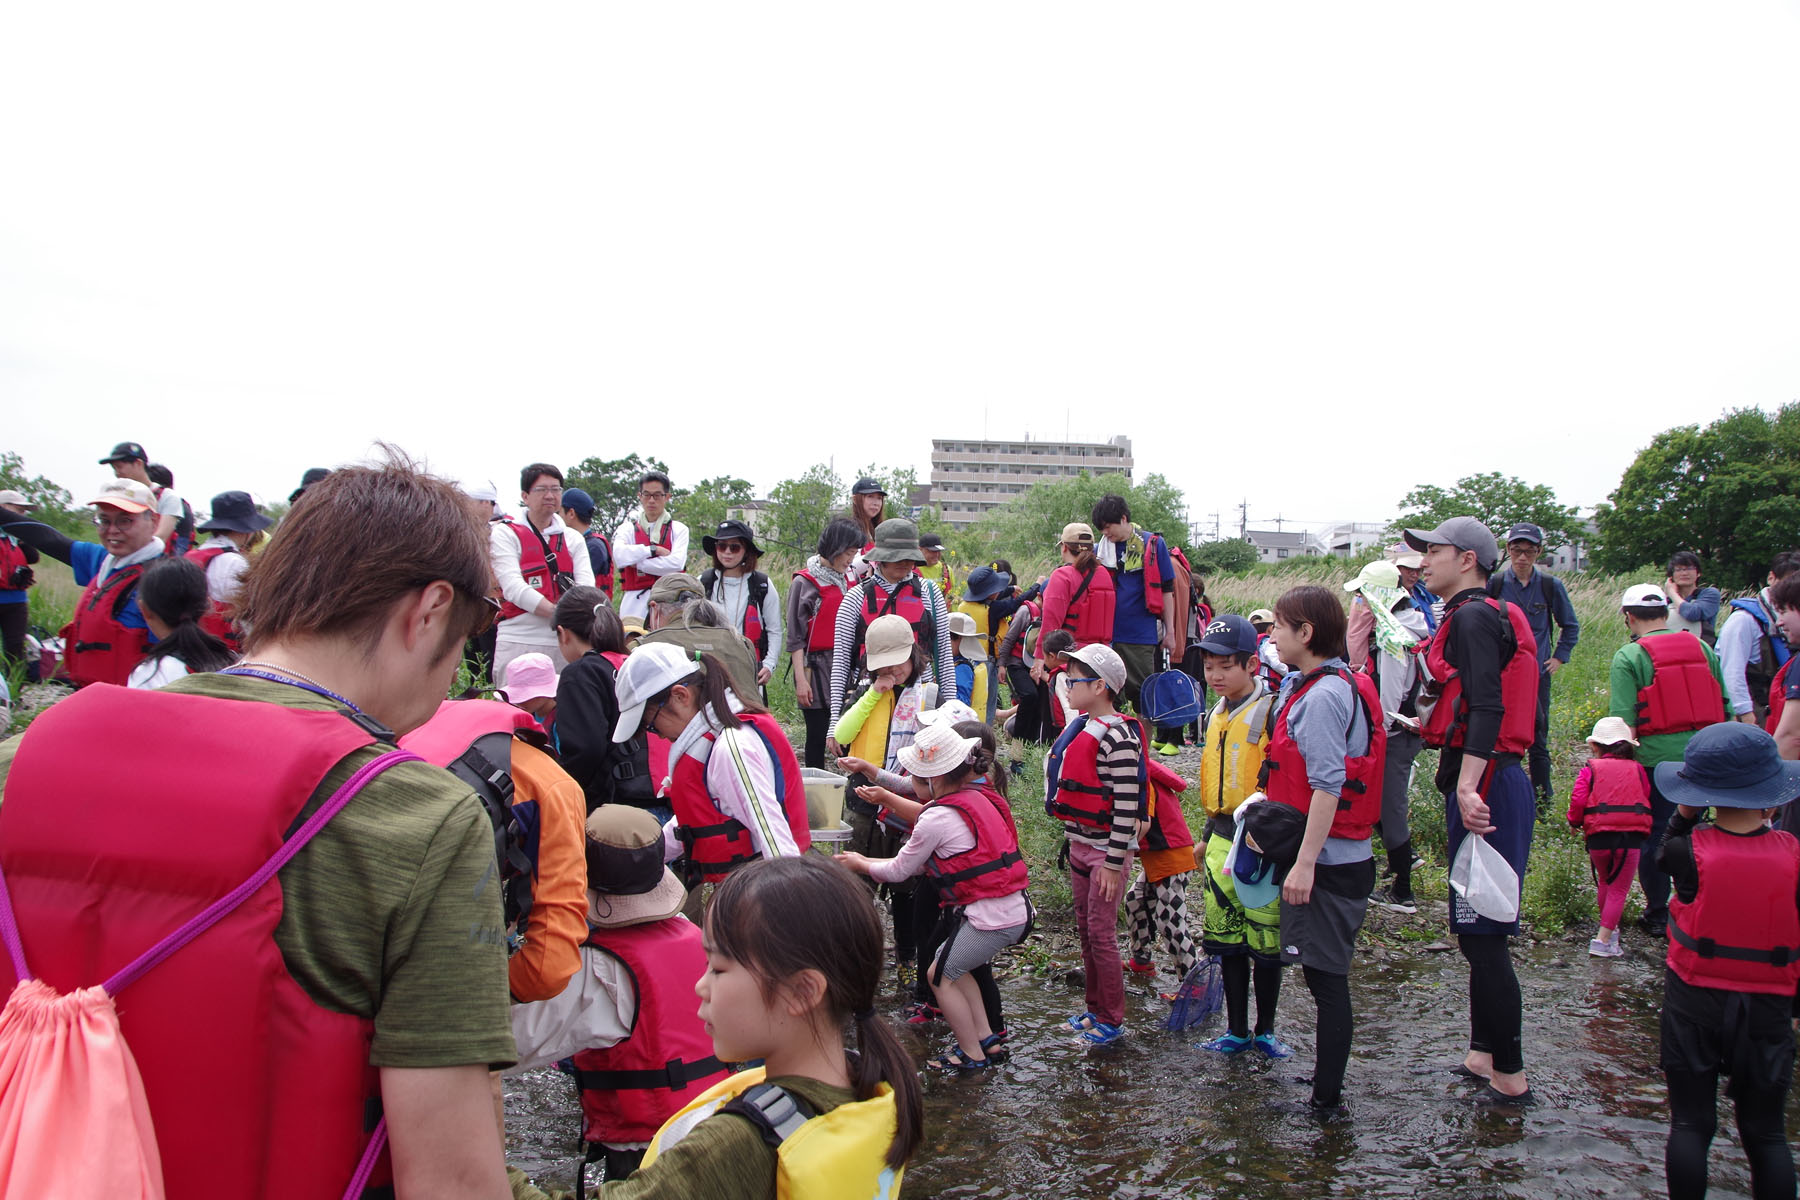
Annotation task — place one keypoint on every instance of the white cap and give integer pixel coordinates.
(648, 670)
(1104, 661)
(483, 491)
(950, 712)
(127, 494)
(1643, 595)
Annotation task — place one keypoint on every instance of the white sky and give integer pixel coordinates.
(1276, 244)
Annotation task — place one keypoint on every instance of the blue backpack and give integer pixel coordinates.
(1169, 698)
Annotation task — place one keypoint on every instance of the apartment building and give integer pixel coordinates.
(969, 478)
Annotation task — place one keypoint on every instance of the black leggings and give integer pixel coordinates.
(15, 623)
(930, 927)
(818, 724)
(1237, 970)
(1331, 995)
(1694, 1117)
(1495, 1014)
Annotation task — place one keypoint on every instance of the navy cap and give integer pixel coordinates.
(1730, 765)
(125, 452)
(1525, 531)
(1229, 634)
(580, 502)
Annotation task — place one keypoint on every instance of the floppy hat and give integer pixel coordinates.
(1610, 731)
(896, 541)
(1730, 765)
(867, 487)
(950, 712)
(938, 750)
(317, 474)
(1077, 533)
(234, 511)
(887, 642)
(1252, 874)
(127, 494)
(1464, 533)
(1403, 555)
(673, 586)
(125, 452)
(1525, 531)
(574, 498)
(984, 583)
(1376, 574)
(1103, 661)
(479, 491)
(1643, 595)
(1229, 634)
(1261, 616)
(962, 625)
(728, 531)
(648, 670)
(529, 677)
(14, 499)
(627, 881)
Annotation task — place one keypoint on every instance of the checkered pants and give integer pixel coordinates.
(1161, 906)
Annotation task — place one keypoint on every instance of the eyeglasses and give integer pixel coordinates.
(486, 616)
(122, 521)
(652, 495)
(649, 724)
(546, 490)
(1085, 679)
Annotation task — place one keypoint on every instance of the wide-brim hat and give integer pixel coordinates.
(1252, 874)
(1376, 574)
(984, 583)
(627, 881)
(234, 512)
(1730, 765)
(1610, 731)
(731, 531)
(896, 540)
(937, 750)
(529, 677)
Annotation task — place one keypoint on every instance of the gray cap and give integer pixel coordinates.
(1465, 533)
(896, 541)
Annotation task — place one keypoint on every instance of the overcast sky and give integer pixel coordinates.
(1307, 254)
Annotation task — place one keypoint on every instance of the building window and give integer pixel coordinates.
(1281, 553)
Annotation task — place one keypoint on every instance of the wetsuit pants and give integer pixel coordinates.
(1496, 1018)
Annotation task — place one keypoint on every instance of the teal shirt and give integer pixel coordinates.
(1631, 671)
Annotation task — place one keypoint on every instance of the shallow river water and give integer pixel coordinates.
(1155, 1116)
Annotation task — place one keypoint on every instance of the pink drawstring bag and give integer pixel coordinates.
(74, 1120)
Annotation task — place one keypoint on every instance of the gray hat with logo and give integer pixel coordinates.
(896, 541)
(1465, 533)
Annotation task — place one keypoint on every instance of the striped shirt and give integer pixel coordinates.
(741, 781)
(846, 641)
(1116, 762)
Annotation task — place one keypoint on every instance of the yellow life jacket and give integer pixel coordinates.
(871, 741)
(839, 1155)
(1233, 752)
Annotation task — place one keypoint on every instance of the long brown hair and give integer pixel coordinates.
(778, 917)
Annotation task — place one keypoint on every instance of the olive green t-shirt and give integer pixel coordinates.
(392, 912)
(722, 1158)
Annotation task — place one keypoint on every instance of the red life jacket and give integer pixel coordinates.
(1091, 605)
(97, 646)
(1741, 933)
(994, 867)
(1168, 824)
(629, 1089)
(717, 844)
(823, 634)
(1261, 667)
(1056, 710)
(1284, 770)
(532, 566)
(1448, 723)
(254, 1088)
(1778, 696)
(756, 584)
(630, 578)
(1080, 799)
(1682, 693)
(1619, 801)
(217, 620)
(907, 599)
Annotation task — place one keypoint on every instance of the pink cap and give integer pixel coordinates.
(528, 677)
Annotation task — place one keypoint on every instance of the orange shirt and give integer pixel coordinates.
(557, 924)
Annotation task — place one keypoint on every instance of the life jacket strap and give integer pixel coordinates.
(1706, 947)
(674, 1076)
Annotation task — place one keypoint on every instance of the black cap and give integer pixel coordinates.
(313, 475)
(930, 541)
(124, 452)
(868, 487)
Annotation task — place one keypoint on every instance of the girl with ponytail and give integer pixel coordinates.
(172, 595)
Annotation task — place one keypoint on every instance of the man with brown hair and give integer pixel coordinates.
(373, 966)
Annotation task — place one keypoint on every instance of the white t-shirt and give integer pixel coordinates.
(153, 673)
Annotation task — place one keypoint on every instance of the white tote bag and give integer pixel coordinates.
(1481, 876)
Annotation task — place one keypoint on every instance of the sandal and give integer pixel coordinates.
(1103, 1034)
(1082, 1023)
(921, 1013)
(994, 1046)
(956, 1061)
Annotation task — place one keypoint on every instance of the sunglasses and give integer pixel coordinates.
(486, 617)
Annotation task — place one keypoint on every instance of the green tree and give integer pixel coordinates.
(1497, 501)
(613, 483)
(1232, 556)
(1030, 525)
(803, 505)
(1729, 492)
(55, 507)
(705, 506)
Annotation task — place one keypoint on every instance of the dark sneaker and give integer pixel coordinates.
(1395, 900)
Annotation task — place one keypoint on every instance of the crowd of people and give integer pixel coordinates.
(426, 882)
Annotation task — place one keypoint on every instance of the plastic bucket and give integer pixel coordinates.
(824, 797)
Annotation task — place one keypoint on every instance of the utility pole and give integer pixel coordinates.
(1215, 517)
(1278, 523)
(1244, 518)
